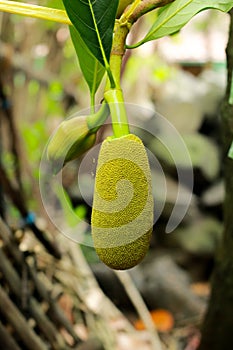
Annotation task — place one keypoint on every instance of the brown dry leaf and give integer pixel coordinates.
(201, 289)
(139, 325)
(163, 320)
(194, 342)
(66, 303)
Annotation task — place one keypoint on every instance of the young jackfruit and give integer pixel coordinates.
(122, 214)
(74, 137)
(71, 139)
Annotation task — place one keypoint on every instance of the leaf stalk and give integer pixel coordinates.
(34, 11)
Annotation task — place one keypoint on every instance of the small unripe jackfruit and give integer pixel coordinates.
(122, 213)
(71, 139)
(74, 137)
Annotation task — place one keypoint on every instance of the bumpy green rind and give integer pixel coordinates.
(126, 256)
(122, 215)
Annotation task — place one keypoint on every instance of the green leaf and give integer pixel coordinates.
(230, 152)
(94, 20)
(57, 4)
(31, 10)
(231, 92)
(92, 69)
(175, 15)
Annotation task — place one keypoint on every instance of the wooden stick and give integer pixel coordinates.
(15, 285)
(140, 307)
(55, 311)
(17, 320)
(7, 342)
(91, 344)
(105, 308)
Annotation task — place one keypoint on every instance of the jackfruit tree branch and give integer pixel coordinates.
(146, 6)
(114, 97)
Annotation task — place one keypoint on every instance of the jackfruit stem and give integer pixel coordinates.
(114, 97)
(115, 100)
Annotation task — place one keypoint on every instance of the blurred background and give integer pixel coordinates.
(45, 277)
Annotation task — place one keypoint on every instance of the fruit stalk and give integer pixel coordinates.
(114, 96)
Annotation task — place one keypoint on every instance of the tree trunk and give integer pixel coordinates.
(218, 324)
